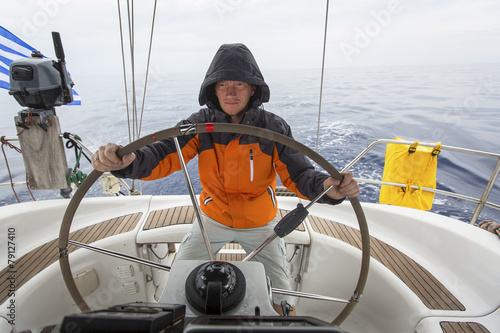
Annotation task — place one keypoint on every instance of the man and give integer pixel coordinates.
(237, 172)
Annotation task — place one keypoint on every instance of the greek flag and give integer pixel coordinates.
(12, 48)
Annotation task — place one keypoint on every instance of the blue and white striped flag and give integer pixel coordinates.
(12, 48)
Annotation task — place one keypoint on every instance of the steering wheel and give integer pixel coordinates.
(209, 128)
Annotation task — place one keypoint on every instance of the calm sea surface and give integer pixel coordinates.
(458, 105)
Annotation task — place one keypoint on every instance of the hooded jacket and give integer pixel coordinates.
(237, 172)
(233, 62)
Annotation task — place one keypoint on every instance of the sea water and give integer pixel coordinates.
(457, 105)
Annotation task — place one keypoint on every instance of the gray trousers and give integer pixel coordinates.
(273, 256)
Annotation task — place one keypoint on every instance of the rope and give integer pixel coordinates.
(4, 142)
(76, 176)
(73, 144)
(27, 122)
(11, 146)
(491, 226)
(322, 74)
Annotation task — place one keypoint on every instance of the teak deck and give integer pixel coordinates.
(432, 293)
(454, 327)
(45, 255)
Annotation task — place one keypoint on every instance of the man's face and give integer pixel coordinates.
(233, 96)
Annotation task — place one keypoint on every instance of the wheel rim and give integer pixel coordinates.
(212, 128)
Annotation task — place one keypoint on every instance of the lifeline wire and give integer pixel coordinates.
(147, 68)
(131, 30)
(131, 131)
(124, 69)
(322, 74)
(134, 124)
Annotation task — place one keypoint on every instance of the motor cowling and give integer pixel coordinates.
(36, 82)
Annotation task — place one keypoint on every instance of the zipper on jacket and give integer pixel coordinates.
(207, 200)
(271, 194)
(251, 165)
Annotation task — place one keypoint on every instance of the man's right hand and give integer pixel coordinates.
(105, 158)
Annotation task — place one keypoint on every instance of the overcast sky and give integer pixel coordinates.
(280, 33)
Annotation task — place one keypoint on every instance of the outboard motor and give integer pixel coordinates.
(41, 84)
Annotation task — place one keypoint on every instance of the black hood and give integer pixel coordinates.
(233, 62)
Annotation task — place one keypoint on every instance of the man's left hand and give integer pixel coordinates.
(347, 188)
